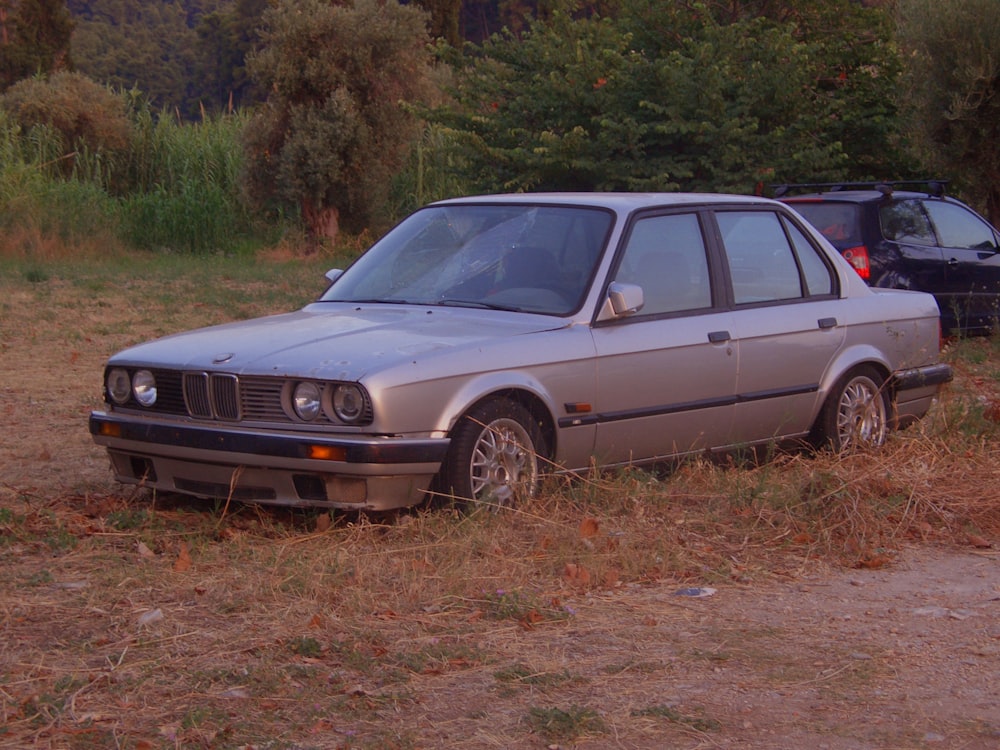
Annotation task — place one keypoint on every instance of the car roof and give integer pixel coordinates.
(859, 196)
(622, 202)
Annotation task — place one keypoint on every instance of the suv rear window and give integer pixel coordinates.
(838, 222)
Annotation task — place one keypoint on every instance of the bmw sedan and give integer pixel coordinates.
(486, 341)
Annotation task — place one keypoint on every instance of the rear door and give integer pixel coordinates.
(786, 322)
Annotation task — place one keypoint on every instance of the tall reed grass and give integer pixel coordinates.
(178, 188)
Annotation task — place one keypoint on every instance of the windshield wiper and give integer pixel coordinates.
(375, 301)
(477, 304)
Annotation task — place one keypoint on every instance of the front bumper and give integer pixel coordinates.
(286, 468)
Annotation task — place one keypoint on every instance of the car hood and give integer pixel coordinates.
(333, 340)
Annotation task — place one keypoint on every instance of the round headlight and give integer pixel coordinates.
(348, 403)
(144, 387)
(119, 386)
(307, 401)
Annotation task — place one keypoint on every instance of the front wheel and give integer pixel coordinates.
(855, 413)
(494, 455)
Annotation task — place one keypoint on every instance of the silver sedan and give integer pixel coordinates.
(486, 341)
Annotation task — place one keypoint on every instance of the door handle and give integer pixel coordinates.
(717, 337)
(825, 323)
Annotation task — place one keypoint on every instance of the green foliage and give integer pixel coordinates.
(225, 38)
(667, 96)
(434, 171)
(86, 116)
(182, 183)
(36, 39)
(152, 46)
(952, 92)
(35, 197)
(334, 129)
(176, 187)
(189, 216)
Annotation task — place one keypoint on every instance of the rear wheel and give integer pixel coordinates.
(855, 413)
(494, 455)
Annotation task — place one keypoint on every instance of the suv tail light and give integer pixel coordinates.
(858, 257)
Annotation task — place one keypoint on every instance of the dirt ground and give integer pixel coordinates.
(903, 657)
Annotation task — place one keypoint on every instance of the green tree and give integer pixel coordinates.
(225, 39)
(152, 46)
(953, 91)
(34, 38)
(335, 127)
(678, 95)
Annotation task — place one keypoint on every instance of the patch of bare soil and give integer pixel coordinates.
(903, 657)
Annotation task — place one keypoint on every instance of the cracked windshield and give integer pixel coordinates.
(511, 257)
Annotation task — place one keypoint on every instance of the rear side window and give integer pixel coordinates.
(838, 222)
(770, 259)
(816, 273)
(905, 221)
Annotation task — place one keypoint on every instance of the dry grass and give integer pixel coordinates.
(130, 620)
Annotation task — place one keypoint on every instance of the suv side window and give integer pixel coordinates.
(905, 221)
(665, 255)
(762, 263)
(958, 227)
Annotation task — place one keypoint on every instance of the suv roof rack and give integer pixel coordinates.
(933, 187)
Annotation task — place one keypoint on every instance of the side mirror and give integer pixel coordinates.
(623, 300)
(333, 274)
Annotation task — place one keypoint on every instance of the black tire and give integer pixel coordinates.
(494, 457)
(856, 413)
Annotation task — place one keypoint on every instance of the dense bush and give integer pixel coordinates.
(78, 161)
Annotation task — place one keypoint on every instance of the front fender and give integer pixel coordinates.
(489, 384)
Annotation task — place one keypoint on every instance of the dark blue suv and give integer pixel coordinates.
(911, 239)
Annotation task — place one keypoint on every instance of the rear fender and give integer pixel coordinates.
(844, 362)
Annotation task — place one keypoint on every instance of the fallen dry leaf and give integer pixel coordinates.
(589, 527)
(576, 574)
(183, 561)
(979, 542)
(874, 562)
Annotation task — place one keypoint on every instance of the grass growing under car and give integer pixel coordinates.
(141, 621)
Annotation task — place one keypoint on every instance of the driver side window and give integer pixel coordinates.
(959, 227)
(665, 256)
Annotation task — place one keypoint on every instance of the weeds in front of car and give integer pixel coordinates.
(151, 620)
